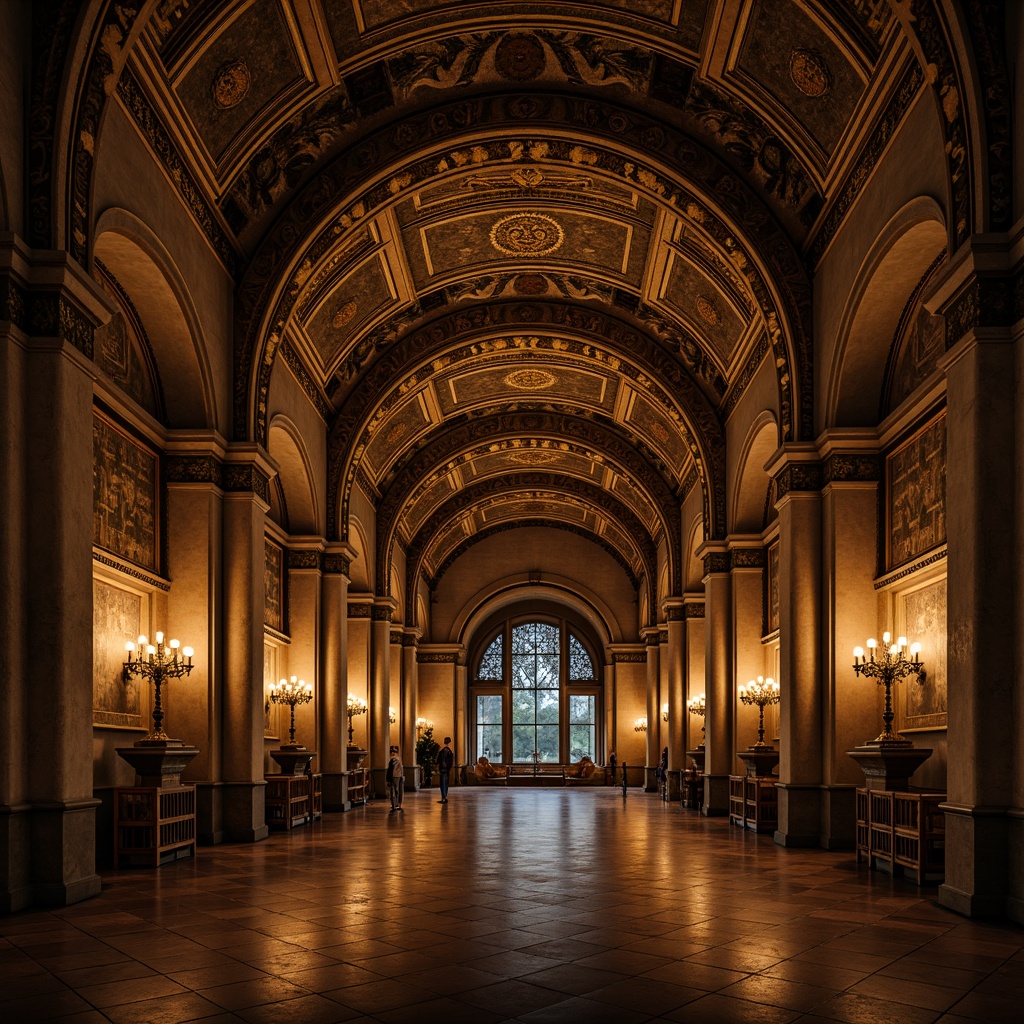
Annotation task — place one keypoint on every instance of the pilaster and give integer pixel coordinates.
(719, 684)
(333, 720)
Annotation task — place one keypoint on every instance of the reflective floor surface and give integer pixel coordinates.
(527, 905)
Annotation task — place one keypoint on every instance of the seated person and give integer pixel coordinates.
(583, 769)
(487, 772)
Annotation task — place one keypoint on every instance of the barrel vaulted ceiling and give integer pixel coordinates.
(523, 258)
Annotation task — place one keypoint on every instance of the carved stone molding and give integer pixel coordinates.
(194, 469)
(360, 611)
(242, 477)
(841, 467)
(45, 313)
(798, 477)
(717, 562)
(437, 658)
(381, 613)
(334, 564)
(304, 559)
(747, 558)
(694, 610)
(629, 657)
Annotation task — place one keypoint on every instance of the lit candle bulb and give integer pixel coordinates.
(858, 653)
(142, 641)
(901, 641)
(175, 644)
(887, 637)
(159, 637)
(187, 651)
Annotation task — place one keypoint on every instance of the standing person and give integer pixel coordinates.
(613, 762)
(445, 763)
(396, 781)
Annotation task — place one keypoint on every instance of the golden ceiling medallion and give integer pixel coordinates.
(396, 433)
(344, 315)
(530, 380)
(708, 311)
(527, 234)
(530, 284)
(230, 84)
(809, 72)
(532, 458)
(659, 431)
(519, 57)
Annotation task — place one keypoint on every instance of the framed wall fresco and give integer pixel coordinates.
(126, 475)
(270, 676)
(921, 615)
(771, 590)
(118, 615)
(273, 586)
(915, 475)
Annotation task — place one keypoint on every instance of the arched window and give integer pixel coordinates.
(535, 694)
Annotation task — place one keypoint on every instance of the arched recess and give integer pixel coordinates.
(398, 593)
(359, 566)
(904, 249)
(295, 473)
(751, 486)
(694, 566)
(146, 272)
(505, 593)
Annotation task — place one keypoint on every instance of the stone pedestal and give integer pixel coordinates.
(697, 757)
(354, 758)
(889, 766)
(760, 761)
(158, 763)
(293, 760)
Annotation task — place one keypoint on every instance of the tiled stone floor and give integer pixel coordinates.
(529, 905)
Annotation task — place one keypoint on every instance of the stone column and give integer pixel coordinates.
(246, 501)
(747, 562)
(378, 727)
(850, 616)
(410, 696)
(653, 738)
(675, 654)
(195, 519)
(334, 675)
(798, 479)
(305, 625)
(610, 711)
(984, 823)
(718, 680)
(47, 808)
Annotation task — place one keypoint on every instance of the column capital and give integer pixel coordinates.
(304, 553)
(651, 635)
(383, 608)
(746, 551)
(715, 556)
(795, 467)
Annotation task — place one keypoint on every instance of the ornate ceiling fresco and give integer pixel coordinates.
(524, 259)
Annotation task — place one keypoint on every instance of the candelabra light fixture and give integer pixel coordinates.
(422, 725)
(292, 692)
(356, 706)
(762, 692)
(889, 669)
(664, 712)
(392, 715)
(157, 663)
(696, 706)
(640, 725)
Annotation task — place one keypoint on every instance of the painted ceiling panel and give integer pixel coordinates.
(249, 64)
(706, 310)
(539, 235)
(523, 378)
(402, 425)
(657, 430)
(363, 296)
(794, 61)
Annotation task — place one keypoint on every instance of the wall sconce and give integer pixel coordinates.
(762, 692)
(291, 692)
(356, 706)
(640, 725)
(664, 712)
(392, 715)
(158, 664)
(889, 670)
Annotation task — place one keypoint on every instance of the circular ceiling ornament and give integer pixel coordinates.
(344, 315)
(530, 284)
(530, 380)
(230, 84)
(809, 72)
(527, 234)
(533, 458)
(659, 431)
(519, 57)
(708, 311)
(396, 433)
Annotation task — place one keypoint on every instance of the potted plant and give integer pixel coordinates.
(426, 754)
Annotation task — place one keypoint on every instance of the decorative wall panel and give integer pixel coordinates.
(116, 619)
(923, 614)
(273, 586)
(125, 495)
(916, 486)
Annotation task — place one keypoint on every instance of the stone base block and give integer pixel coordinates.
(716, 796)
(799, 815)
(244, 806)
(977, 860)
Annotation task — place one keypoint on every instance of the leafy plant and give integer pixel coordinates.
(426, 754)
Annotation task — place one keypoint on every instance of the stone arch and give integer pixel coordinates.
(362, 556)
(903, 251)
(145, 270)
(295, 473)
(397, 591)
(515, 590)
(693, 576)
(751, 483)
